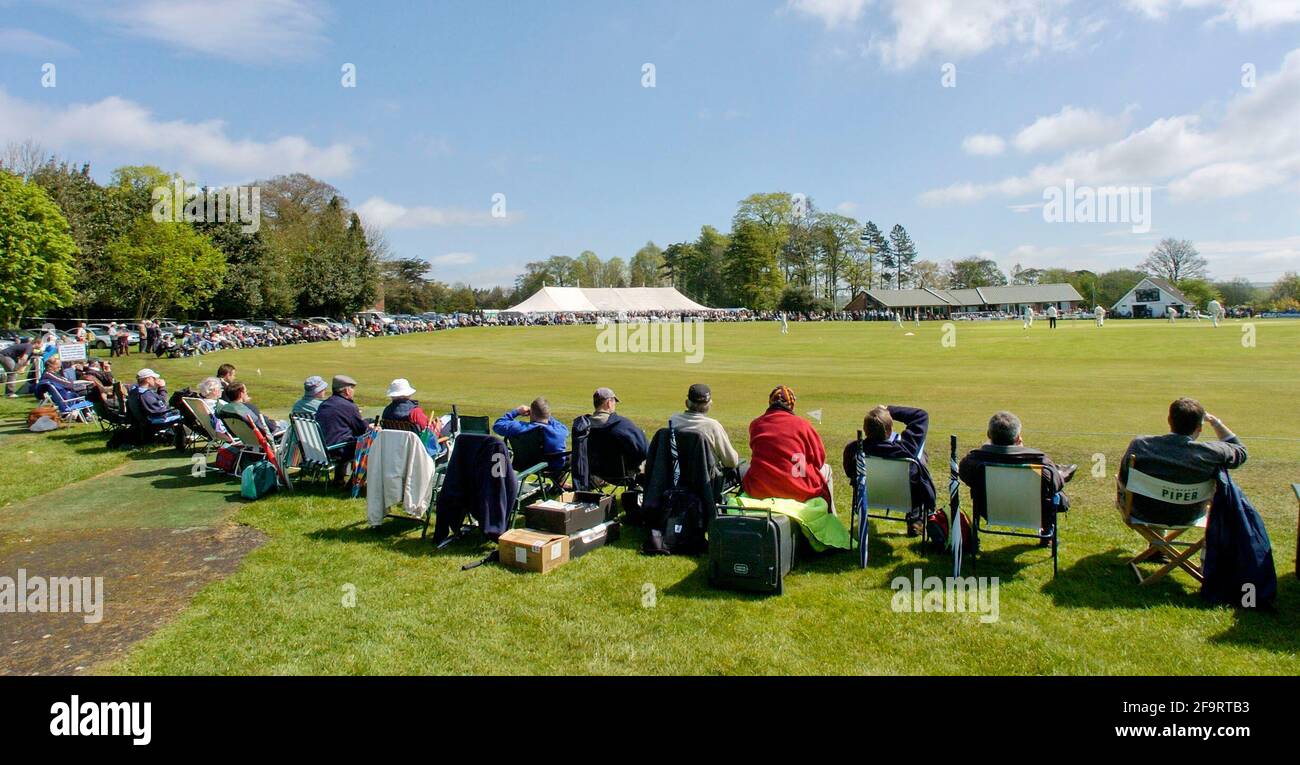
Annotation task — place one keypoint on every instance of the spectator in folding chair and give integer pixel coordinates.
(226, 374)
(340, 423)
(554, 434)
(1178, 457)
(881, 441)
(13, 364)
(236, 399)
(608, 448)
(404, 412)
(696, 419)
(147, 403)
(1006, 446)
(210, 394)
(314, 391)
(65, 397)
(787, 459)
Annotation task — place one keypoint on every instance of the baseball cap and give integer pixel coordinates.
(699, 393)
(602, 395)
(313, 385)
(145, 374)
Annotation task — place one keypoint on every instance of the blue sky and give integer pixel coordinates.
(841, 100)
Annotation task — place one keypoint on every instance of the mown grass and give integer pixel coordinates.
(1081, 392)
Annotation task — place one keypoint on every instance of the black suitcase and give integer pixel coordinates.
(750, 550)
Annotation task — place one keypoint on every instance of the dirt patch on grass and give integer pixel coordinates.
(149, 577)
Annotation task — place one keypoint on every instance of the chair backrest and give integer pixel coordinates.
(202, 417)
(605, 455)
(405, 425)
(473, 424)
(240, 427)
(889, 484)
(310, 440)
(1013, 496)
(528, 448)
(1166, 494)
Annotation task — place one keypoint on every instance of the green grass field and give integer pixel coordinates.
(1081, 392)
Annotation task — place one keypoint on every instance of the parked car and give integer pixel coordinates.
(99, 336)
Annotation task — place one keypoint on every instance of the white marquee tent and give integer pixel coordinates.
(593, 300)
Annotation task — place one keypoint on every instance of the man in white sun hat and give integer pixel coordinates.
(401, 407)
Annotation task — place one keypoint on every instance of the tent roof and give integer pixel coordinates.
(593, 299)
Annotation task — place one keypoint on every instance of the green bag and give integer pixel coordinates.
(258, 480)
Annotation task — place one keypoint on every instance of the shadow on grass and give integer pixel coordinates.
(1276, 629)
(1105, 581)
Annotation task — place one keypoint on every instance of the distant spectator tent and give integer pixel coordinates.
(944, 303)
(607, 300)
(1150, 298)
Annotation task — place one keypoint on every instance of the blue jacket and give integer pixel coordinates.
(1237, 550)
(340, 420)
(555, 439)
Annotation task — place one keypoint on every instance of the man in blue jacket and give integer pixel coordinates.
(555, 436)
(880, 440)
(341, 422)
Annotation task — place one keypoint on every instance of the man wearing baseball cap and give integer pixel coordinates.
(696, 419)
(314, 391)
(340, 423)
(787, 456)
(631, 441)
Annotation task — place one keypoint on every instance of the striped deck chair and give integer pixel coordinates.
(361, 462)
(316, 458)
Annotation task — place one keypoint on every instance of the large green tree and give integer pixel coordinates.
(158, 268)
(36, 251)
(751, 268)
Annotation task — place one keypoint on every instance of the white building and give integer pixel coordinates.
(1150, 299)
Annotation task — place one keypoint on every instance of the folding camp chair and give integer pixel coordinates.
(1162, 538)
(607, 462)
(208, 435)
(888, 492)
(148, 428)
(526, 490)
(70, 407)
(316, 457)
(253, 442)
(464, 423)
(1013, 499)
(529, 450)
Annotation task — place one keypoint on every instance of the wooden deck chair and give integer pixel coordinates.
(1161, 537)
(316, 457)
(889, 492)
(203, 419)
(1013, 507)
(253, 442)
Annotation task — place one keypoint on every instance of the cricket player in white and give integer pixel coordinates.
(1172, 313)
(1216, 311)
(785, 328)
(1051, 316)
(1100, 313)
(1029, 316)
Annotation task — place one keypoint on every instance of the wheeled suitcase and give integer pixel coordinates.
(750, 550)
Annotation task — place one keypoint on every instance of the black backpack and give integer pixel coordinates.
(685, 515)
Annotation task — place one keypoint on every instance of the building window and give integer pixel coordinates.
(1146, 296)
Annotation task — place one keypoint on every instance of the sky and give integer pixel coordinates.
(604, 125)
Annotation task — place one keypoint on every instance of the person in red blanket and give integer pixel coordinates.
(786, 456)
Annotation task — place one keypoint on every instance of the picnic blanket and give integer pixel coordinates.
(819, 527)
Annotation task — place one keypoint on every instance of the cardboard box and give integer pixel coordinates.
(533, 550)
(569, 513)
(589, 539)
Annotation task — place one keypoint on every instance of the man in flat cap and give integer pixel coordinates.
(341, 423)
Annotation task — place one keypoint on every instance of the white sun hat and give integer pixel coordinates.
(400, 387)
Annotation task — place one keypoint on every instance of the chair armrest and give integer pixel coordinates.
(534, 470)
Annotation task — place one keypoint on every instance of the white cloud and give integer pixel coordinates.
(846, 208)
(117, 124)
(1255, 146)
(454, 259)
(831, 12)
(29, 43)
(983, 145)
(963, 28)
(1070, 128)
(1244, 14)
(380, 212)
(248, 31)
